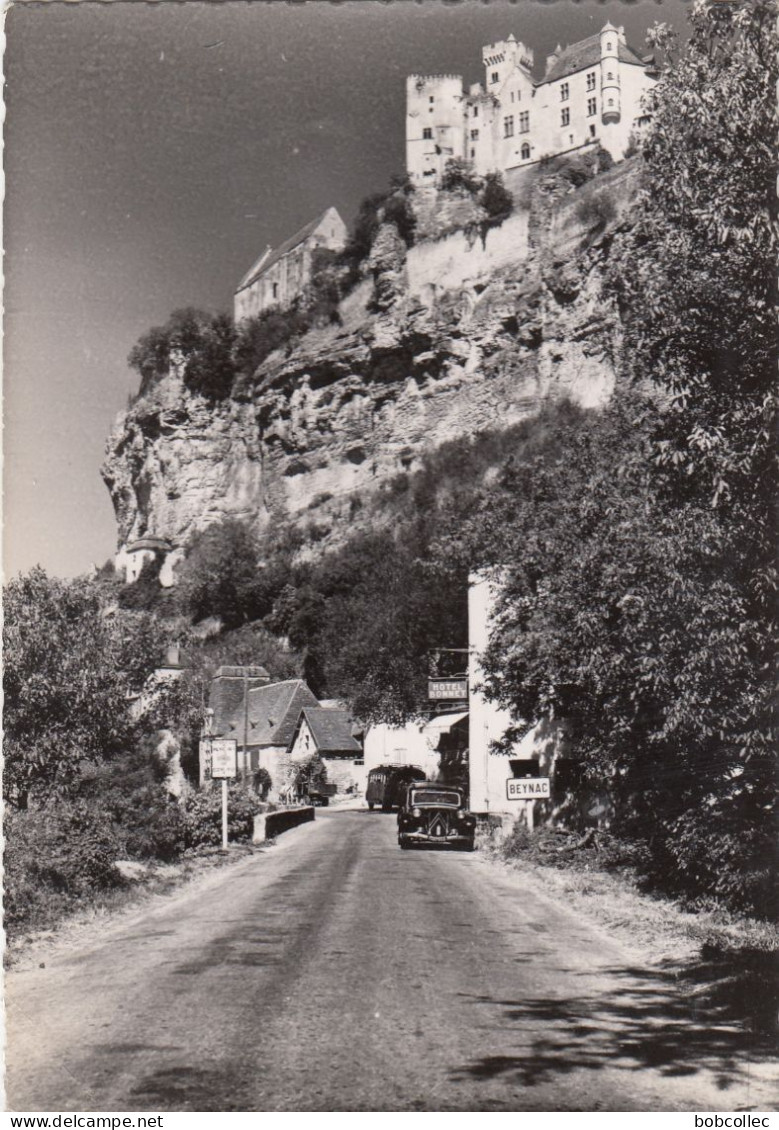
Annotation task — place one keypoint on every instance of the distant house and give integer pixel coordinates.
(280, 275)
(329, 733)
(131, 558)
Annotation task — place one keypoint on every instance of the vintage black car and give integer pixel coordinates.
(435, 815)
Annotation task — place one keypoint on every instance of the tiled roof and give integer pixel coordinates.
(149, 541)
(586, 53)
(270, 256)
(274, 711)
(332, 730)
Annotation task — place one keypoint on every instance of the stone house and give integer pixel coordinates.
(132, 557)
(329, 733)
(281, 274)
(592, 93)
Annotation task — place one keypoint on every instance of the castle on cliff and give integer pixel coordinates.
(591, 94)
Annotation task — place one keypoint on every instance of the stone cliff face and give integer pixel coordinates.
(464, 335)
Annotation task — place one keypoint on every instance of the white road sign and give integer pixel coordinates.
(224, 752)
(527, 788)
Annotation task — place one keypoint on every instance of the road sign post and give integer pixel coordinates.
(224, 753)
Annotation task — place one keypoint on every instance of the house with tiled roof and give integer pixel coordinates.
(281, 274)
(259, 716)
(592, 94)
(329, 733)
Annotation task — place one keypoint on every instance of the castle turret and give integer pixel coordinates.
(610, 39)
(500, 59)
(435, 125)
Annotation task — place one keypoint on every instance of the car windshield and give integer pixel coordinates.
(435, 796)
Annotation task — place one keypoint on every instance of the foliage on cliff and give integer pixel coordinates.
(639, 592)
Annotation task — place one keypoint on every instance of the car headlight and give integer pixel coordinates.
(416, 812)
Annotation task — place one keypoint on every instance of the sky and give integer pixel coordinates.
(152, 150)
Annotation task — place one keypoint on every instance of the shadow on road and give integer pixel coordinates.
(653, 1018)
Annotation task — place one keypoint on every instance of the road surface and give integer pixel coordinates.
(334, 972)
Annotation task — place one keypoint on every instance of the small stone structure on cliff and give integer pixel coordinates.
(279, 276)
(591, 94)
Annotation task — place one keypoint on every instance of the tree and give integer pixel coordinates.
(220, 575)
(71, 669)
(496, 199)
(202, 344)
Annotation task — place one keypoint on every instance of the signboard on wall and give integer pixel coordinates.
(528, 788)
(447, 690)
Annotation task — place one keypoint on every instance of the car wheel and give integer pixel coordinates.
(403, 843)
(370, 806)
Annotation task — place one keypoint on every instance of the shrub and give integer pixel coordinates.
(201, 343)
(55, 859)
(596, 211)
(458, 176)
(203, 815)
(496, 200)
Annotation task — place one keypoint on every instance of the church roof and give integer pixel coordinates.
(586, 53)
(270, 256)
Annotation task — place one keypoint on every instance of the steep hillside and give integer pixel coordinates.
(460, 334)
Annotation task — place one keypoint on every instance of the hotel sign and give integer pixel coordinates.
(528, 788)
(447, 690)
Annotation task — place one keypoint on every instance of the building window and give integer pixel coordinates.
(476, 111)
(591, 80)
(508, 126)
(611, 101)
(494, 76)
(564, 92)
(431, 99)
(473, 154)
(512, 96)
(427, 133)
(524, 122)
(592, 107)
(610, 76)
(275, 290)
(565, 117)
(474, 135)
(592, 131)
(525, 152)
(609, 48)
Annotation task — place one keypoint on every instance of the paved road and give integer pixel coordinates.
(334, 972)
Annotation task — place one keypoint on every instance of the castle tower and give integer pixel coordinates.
(435, 125)
(610, 39)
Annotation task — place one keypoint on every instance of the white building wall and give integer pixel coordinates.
(435, 125)
(401, 745)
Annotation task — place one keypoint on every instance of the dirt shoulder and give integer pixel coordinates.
(726, 962)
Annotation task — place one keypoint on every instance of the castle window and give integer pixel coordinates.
(431, 99)
(565, 117)
(275, 290)
(525, 152)
(508, 126)
(473, 154)
(427, 134)
(524, 122)
(611, 101)
(474, 135)
(591, 80)
(512, 96)
(564, 91)
(592, 107)
(609, 47)
(592, 131)
(494, 76)
(610, 76)
(476, 111)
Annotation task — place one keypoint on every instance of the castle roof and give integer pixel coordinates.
(587, 53)
(271, 256)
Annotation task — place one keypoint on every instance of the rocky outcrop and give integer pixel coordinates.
(409, 368)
